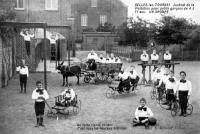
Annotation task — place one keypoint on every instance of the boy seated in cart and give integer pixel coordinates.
(91, 60)
(68, 97)
(124, 81)
(134, 78)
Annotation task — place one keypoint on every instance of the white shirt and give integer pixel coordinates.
(35, 95)
(143, 113)
(23, 70)
(27, 37)
(169, 84)
(112, 60)
(117, 60)
(156, 75)
(187, 86)
(92, 56)
(101, 60)
(70, 95)
(154, 57)
(167, 56)
(133, 75)
(144, 57)
(107, 60)
(124, 75)
(53, 40)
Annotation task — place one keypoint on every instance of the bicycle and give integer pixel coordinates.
(175, 109)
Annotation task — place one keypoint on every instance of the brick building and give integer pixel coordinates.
(91, 13)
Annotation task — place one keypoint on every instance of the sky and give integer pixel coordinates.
(193, 15)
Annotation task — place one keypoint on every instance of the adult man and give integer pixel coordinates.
(23, 75)
(144, 57)
(184, 89)
(154, 58)
(167, 58)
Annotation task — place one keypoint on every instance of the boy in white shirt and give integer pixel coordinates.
(124, 82)
(134, 78)
(167, 58)
(154, 58)
(184, 89)
(143, 115)
(23, 75)
(27, 39)
(69, 96)
(40, 95)
(144, 57)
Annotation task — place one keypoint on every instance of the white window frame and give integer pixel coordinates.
(17, 5)
(84, 20)
(103, 19)
(51, 8)
(94, 3)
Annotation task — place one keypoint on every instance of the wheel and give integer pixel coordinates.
(51, 113)
(110, 92)
(175, 109)
(162, 101)
(87, 79)
(77, 107)
(189, 109)
(109, 79)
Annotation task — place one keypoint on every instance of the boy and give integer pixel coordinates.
(184, 89)
(154, 59)
(144, 115)
(23, 75)
(69, 96)
(144, 57)
(40, 95)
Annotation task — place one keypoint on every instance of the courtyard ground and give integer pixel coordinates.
(17, 112)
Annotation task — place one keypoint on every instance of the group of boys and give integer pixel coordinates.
(164, 79)
(127, 79)
(154, 57)
(40, 96)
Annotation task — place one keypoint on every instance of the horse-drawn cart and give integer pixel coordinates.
(104, 72)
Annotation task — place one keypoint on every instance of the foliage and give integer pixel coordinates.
(7, 14)
(88, 29)
(171, 31)
(134, 32)
(107, 27)
(193, 41)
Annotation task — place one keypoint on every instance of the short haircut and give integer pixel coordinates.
(143, 99)
(183, 72)
(38, 82)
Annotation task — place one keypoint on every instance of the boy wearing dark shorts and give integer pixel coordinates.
(40, 95)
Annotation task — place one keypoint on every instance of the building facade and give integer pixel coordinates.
(92, 13)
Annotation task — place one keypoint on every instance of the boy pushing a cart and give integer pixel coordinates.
(40, 95)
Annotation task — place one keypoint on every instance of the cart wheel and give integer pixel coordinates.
(87, 79)
(77, 107)
(110, 92)
(189, 109)
(51, 114)
(109, 79)
(175, 109)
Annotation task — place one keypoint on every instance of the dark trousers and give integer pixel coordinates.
(143, 66)
(135, 81)
(124, 83)
(154, 62)
(23, 82)
(39, 112)
(161, 90)
(27, 45)
(183, 101)
(167, 61)
(151, 121)
(170, 96)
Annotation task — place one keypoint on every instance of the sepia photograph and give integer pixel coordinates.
(99, 66)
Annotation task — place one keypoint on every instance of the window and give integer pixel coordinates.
(20, 4)
(93, 3)
(51, 4)
(84, 20)
(103, 19)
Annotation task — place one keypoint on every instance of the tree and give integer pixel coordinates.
(107, 27)
(193, 41)
(171, 31)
